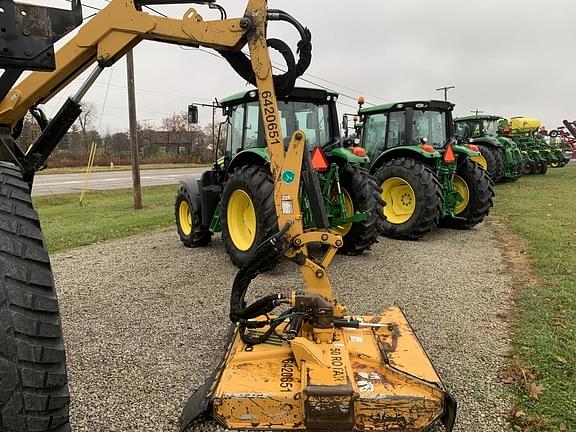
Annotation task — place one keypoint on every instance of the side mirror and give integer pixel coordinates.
(192, 114)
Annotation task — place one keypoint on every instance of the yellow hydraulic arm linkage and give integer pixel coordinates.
(312, 366)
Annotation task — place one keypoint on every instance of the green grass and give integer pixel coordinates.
(104, 216)
(542, 209)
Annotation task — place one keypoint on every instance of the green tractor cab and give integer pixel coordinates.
(502, 154)
(236, 197)
(425, 175)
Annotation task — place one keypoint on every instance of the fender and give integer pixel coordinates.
(253, 156)
(192, 187)
(346, 154)
(414, 152)
(205, 193)
(476, 156)
(486, 140)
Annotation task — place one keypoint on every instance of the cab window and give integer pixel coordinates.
(375, 133)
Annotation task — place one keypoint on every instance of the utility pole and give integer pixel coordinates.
(135, 151)
(477, 111)
(445, 88)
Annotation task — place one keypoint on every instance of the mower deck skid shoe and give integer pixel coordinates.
(377, 378)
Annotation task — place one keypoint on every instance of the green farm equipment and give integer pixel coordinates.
(235, 196)
(425, 175)
(502, 154)
(537, 153)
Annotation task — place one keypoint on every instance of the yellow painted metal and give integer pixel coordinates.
(185, 218)
(400, 200)
(241, 217)
(344, 229)
(383, 375)
(464, 192)
(107, 37)
(480, 160)
(524, 124)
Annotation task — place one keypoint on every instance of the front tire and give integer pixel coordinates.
(413, 198)
(363, 193)
(188, 221)
(248, 212)
(476, 187)
(33, 383)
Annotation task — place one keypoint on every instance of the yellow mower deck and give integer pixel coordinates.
(366, 379)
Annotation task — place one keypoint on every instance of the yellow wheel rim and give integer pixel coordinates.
(185, 218)
(400, 200)
(241, 218)
(464, 192)
(480, 160)
(344, 229)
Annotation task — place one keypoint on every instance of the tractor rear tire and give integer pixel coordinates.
(480, 195)
(364, 193)
(495, 161)
(33, 383)
(188, 221)
(425, 191)
(250, 190)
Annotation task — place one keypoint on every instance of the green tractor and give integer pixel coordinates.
(236, 197)
(537, 155)
(502, 154)
(425, 176)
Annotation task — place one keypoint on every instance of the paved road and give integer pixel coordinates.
(71, 183)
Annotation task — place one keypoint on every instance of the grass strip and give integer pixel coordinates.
(104, 216)
(542, 210)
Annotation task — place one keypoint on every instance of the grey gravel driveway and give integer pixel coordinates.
(145, 318)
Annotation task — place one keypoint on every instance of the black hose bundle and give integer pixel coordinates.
(282, 83)
(268, 251)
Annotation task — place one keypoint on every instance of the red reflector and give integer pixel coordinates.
(319, 161)
(358, 151)
(506, 129)
(427, 147)
(473, 147)
(449, 154)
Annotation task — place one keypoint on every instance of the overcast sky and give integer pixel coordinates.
(506, 57)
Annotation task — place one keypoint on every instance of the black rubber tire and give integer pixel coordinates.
(495, 161)
(258, 184)
(527, 167)
(481, 195)
(428, 194)
(200, 235)
(365, 194)
(536, 167)
(543, 168)
(33, 383)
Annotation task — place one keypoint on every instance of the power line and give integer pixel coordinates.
(278, 68)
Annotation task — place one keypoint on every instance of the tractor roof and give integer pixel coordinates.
(303, 94)
(477, 117)
(420, 104)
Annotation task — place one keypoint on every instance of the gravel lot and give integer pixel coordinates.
(145, 318)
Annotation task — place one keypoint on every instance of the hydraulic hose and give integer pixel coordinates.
(283, 83)
(269, 250)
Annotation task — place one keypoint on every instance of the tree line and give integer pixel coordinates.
(175, 141)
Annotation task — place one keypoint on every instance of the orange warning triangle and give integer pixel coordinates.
(319, 161)
(449, 154)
